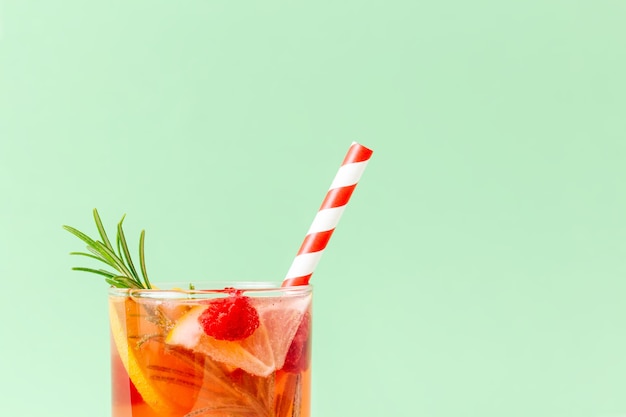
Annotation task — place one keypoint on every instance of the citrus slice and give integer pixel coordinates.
(252, 354)
(259, 354)
(166, 379)
(281, 316)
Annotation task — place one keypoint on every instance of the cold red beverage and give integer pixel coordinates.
(232, 350)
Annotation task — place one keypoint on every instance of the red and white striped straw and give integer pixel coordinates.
(328, 215)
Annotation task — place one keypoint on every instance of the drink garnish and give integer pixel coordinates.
(119, 259)
(296, 359)
(230, 318)
(224, 352)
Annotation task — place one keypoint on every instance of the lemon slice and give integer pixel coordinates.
(259, 354)
(281, 317)
(168, 382)
(252, 354)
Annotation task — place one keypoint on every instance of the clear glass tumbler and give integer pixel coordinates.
(216, 349)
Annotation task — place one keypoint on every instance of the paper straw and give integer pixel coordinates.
(328, 215)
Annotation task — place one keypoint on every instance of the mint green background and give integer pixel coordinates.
(480, 268)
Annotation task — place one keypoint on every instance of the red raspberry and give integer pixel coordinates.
(231, 318)
(297, 356)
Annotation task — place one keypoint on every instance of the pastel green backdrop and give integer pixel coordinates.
(480, 268)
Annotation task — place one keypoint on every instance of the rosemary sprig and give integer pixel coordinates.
(125, 275)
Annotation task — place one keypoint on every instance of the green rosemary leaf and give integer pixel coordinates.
(81, 236)
(115, 283)
(101, 230)
(103, 251)
(93, 246)
(142, 259)
(89, 255)
(119, 246)
(118, 262)
(95, 271)
(126, 252)
(121, 282)
(104, 257)
(99, 249)
(131, 283)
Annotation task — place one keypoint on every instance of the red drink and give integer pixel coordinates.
(211, 352)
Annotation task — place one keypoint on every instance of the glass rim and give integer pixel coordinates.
(176, 289)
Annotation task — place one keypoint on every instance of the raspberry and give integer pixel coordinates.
(231, 318)
(297, 356)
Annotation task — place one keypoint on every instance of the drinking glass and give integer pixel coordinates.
(215, 349)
